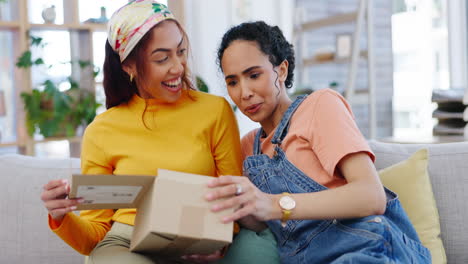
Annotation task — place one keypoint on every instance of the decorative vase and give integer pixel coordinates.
(48, 14)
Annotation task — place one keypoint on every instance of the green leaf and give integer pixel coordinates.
(24, 61)
(201, 85)
(49, 88)
(70, 130)
(38, 61)
(84, 63)
(73, 84)
(35, 41)
(96, 71)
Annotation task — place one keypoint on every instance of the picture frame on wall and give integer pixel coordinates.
(344, 43)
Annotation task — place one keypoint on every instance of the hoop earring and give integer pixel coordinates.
(131, 77)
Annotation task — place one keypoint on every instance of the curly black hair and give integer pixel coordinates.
(270, 39)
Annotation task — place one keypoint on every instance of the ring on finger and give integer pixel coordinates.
(239, 190)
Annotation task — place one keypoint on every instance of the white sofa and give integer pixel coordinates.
(25, 237)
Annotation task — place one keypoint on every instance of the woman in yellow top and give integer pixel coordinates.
(155, 119)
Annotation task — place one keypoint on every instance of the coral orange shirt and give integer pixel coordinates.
(197, 136)
(322, 131)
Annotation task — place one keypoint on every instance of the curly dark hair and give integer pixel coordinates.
(270, 39)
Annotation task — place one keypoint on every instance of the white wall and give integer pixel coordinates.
(207, 20)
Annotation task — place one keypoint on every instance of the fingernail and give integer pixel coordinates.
(64, 181)
(215, 207)
(225, 219)
(80, 200)
(73, 208)
(209, 196)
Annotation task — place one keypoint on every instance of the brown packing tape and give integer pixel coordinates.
(192, 224)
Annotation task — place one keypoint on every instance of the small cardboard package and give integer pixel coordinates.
(172, 218)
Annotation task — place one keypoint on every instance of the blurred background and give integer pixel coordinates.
(402, 64)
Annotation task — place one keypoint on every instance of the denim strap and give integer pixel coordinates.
(282, 128)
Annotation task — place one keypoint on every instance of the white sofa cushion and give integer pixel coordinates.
(448, 170)
(25, 236)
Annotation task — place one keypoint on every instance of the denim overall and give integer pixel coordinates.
(388, 238)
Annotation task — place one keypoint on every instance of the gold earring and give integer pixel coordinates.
(131, 77)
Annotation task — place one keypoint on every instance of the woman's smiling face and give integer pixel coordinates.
(165, 62)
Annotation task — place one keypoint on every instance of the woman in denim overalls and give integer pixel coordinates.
(356, 222)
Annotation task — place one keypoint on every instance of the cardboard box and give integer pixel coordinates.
(175, 219)
(172, 218)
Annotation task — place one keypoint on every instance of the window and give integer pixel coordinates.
(8, 120)
(421, 63)
(56, 52)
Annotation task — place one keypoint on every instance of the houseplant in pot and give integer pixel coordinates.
(55, 112)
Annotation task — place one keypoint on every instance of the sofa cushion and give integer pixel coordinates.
(25, 234)
(410, 180)
(448, 170)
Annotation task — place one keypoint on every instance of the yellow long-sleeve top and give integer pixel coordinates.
(195, 135)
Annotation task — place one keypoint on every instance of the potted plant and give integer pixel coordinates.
(51, 111)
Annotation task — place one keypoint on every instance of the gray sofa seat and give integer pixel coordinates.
(27, 239)
(448, 170)
(25, 236)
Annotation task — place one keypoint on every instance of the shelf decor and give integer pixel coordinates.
(449, 112)
(49, 14)
(343, 46)
(100, 20)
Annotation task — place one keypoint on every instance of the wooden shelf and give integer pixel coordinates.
(313, 61)
(45, 140)
(51, 139)
(89, 27)
(96, 27)
(328, 21)
(9, 25)
(10, 144)
(424, 140)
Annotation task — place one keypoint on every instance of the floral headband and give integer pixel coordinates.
(132, 21)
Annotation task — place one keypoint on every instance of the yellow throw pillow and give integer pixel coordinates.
(410, 180)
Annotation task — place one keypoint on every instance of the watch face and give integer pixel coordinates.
(287, 203)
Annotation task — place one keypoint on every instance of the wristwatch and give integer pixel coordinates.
(287, 204)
